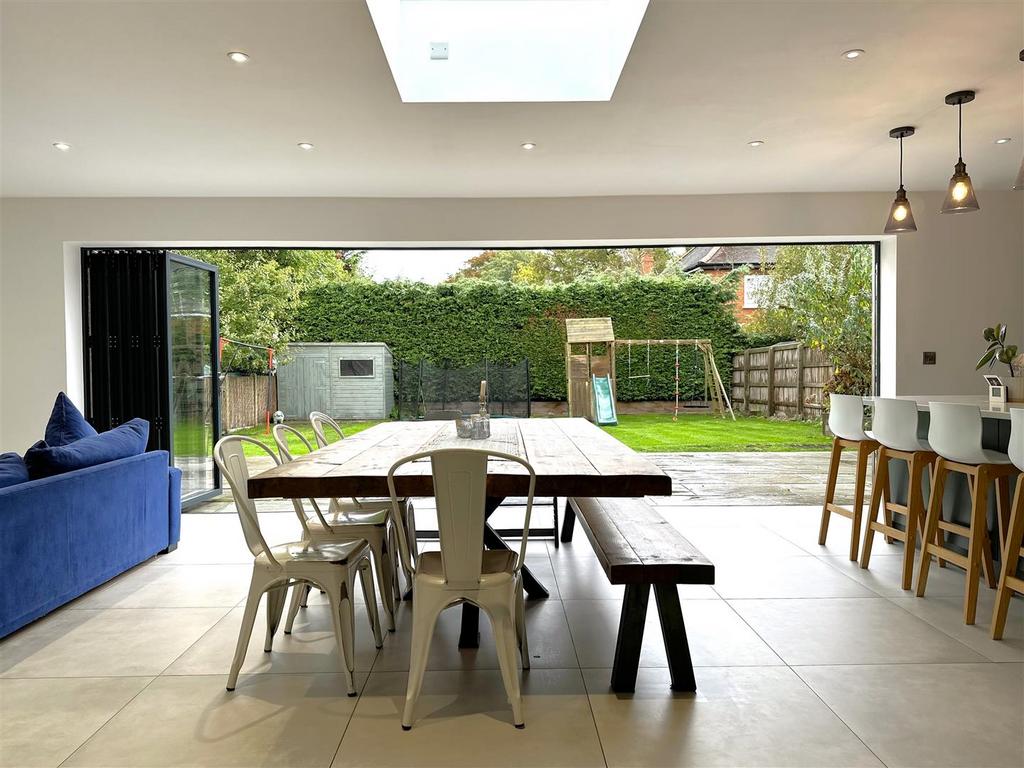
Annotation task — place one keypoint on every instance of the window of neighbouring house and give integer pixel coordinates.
(754, 287)
(357, 367)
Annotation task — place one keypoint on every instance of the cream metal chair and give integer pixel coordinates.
(344, 521)
(463, 571)
(894, 426)
(846, 420)
(1013, 548)
(321, 423)
(955, 434)
(330, 567)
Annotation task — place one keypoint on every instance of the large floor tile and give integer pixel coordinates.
(755, 716)
(947, 614)
(954, 715)
(551, 645)
(156, 585)
(116, 641)
(871, 631)
(787, 577)
(885, 573)
(310, 648)
(463, 719)
(716, 635)
(269, 720)
(752, 542)
(44, 721)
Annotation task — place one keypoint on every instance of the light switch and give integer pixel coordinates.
(929, 358)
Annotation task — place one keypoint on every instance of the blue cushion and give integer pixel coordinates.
(12, 470)
(129, 439)
(66, 424)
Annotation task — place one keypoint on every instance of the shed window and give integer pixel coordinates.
(357, 367)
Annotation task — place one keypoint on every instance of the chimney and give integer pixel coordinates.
(647, 263)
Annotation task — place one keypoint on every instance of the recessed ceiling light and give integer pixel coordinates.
(756, 143)
(853, 53)
(305, 145)
(238, 57)
(528, 145)
(61, 146)
(1004, 140)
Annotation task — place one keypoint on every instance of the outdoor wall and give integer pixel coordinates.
(941, 284)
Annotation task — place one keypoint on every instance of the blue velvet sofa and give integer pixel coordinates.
(61, 536)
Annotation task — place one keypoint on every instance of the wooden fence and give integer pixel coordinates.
(784, 379)
(243, 400)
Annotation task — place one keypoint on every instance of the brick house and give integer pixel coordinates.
(717, 261)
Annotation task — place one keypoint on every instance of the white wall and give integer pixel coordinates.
(943, 283)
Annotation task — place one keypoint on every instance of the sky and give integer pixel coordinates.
(423, 266)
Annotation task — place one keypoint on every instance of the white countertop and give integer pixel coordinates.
(987, 411)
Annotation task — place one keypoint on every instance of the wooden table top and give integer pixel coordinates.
(571, 457)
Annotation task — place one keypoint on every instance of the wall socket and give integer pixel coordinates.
(928, 358)
(439, 51)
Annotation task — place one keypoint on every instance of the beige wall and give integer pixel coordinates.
(941, 284)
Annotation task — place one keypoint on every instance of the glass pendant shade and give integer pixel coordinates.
(960, 196)
(901, 217)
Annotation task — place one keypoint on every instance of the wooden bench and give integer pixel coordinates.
(638, 548)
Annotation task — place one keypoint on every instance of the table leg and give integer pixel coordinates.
(470, 634)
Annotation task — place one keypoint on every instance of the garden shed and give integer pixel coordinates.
(345, 380)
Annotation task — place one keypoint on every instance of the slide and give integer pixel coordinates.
(604, 403)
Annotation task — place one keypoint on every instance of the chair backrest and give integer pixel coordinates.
(229, 454)
(955, 431)
(846, 416)
(460, 492)
(281, 433)
(1016, 450)
(894, 424)
(320, 420)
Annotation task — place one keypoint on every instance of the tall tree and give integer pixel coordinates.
(564, 265)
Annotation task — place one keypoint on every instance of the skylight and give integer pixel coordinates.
(506, 50)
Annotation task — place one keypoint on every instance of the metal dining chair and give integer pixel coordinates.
(463, 571)
(330, 567)
(344, 521)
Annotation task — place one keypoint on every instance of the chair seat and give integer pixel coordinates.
(498, 565)
(980, 456)
(918, 445)
(304, 552)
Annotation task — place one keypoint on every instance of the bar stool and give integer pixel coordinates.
(1013, 549)
(955, 435)
(894, 426)
(846, 420)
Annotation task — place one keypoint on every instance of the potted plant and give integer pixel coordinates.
(1001, 352)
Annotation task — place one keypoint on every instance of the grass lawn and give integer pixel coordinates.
(704, 432)
(260, 433)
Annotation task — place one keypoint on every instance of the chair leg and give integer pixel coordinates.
(503, 624)
(931, 527)
(975, 542)
(299, 590)
(366, 580)
(1003, 508)
(521, 636)
(1011, 557)
(305, 595)
(877, 500)
(382, 567)
(915, 517)
(252, 605)
(343, 617)
(426, 608)
(275, 607)
(863, 452)
(830, 488)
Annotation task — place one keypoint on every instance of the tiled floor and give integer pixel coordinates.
(802, 660)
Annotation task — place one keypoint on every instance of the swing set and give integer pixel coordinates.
(585, 371)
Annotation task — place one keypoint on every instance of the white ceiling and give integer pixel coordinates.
(152, 107)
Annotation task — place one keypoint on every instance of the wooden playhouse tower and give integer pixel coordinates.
(597, 338)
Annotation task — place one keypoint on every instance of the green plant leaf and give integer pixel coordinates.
(990, 334)
(986, 359)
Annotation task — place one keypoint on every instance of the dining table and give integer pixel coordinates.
(569, 456)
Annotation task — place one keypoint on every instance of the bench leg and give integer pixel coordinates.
(568, 522)
(673, 631)
(631, 637)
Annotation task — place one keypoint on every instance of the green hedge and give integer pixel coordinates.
(463, 322)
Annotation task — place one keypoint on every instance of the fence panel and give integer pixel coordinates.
(245, 399)
(786, 378)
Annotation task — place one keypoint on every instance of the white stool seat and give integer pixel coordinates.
(918, 444)
(955, 433)
(846, 417)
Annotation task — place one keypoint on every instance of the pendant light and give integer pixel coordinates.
(901, 218)
(960, 195)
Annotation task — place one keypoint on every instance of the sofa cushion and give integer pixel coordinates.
(12, 470)
(66, 424)
(129, 439)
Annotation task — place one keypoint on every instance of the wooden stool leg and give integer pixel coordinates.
(878, 498)
(830, 488)
(915, 514)
(975, 542)
(863, 452)
(931, 527)
(940, 538)
(1003, 508)
(1011, 557)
